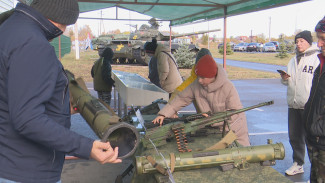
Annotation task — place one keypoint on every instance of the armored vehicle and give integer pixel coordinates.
(130, 49)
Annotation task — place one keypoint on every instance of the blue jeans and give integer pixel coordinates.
(2, 180)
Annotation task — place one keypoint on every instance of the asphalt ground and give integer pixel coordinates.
(252, 65)
(268, 122)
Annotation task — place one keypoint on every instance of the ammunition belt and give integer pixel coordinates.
(181, 138)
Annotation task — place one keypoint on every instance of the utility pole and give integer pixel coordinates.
(270, 29)
(251, 36)
(208, 36)
(76, 42)
(101, 23)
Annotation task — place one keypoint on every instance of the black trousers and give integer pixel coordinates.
(297, 134)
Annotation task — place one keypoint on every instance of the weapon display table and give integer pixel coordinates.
(254, 173)
(135, 90)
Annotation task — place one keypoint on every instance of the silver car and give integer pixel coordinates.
(241, 47)
(269, 47)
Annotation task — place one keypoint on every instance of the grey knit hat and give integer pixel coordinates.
(201, 53)
(65, 12)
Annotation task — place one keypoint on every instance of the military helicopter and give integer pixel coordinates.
(130, 48)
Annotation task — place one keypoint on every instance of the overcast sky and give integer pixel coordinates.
(286, 19)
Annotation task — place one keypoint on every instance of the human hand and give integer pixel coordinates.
(175, 115)
(159, 119)
(285, 76)
(104, 153)
(205, 114)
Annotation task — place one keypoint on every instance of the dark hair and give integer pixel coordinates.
(107, 53)
(150, 47)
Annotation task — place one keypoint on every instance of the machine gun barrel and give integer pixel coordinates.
(106, 126)
(195, 33)
(159, 135)
(222, 116)
(238, 156)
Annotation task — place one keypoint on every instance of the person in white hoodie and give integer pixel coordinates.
(299, 76)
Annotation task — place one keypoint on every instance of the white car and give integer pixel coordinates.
(269, 47)
(240, 47)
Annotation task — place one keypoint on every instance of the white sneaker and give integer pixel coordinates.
(295, 169)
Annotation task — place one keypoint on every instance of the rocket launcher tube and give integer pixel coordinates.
(106, 125)
(239, 156)
(160, 134)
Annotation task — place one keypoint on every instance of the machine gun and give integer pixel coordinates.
(185, 119)
(159, 135)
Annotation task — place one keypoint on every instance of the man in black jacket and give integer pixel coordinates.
(34, 97)
(314, 114)
(101, 72)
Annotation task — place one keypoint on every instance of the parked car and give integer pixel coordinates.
(254, 47)
(269, 47)
(277, 44)
(232, 45)
(241, 47)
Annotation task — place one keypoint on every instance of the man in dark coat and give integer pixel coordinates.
(101, 72)
(34, 97)
(314, 114)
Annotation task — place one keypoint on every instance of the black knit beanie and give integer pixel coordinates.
(150, 47)
(306, 35)
(65, 12)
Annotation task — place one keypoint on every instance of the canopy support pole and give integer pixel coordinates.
(170, 37)
(76, 41)
(224, 37)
